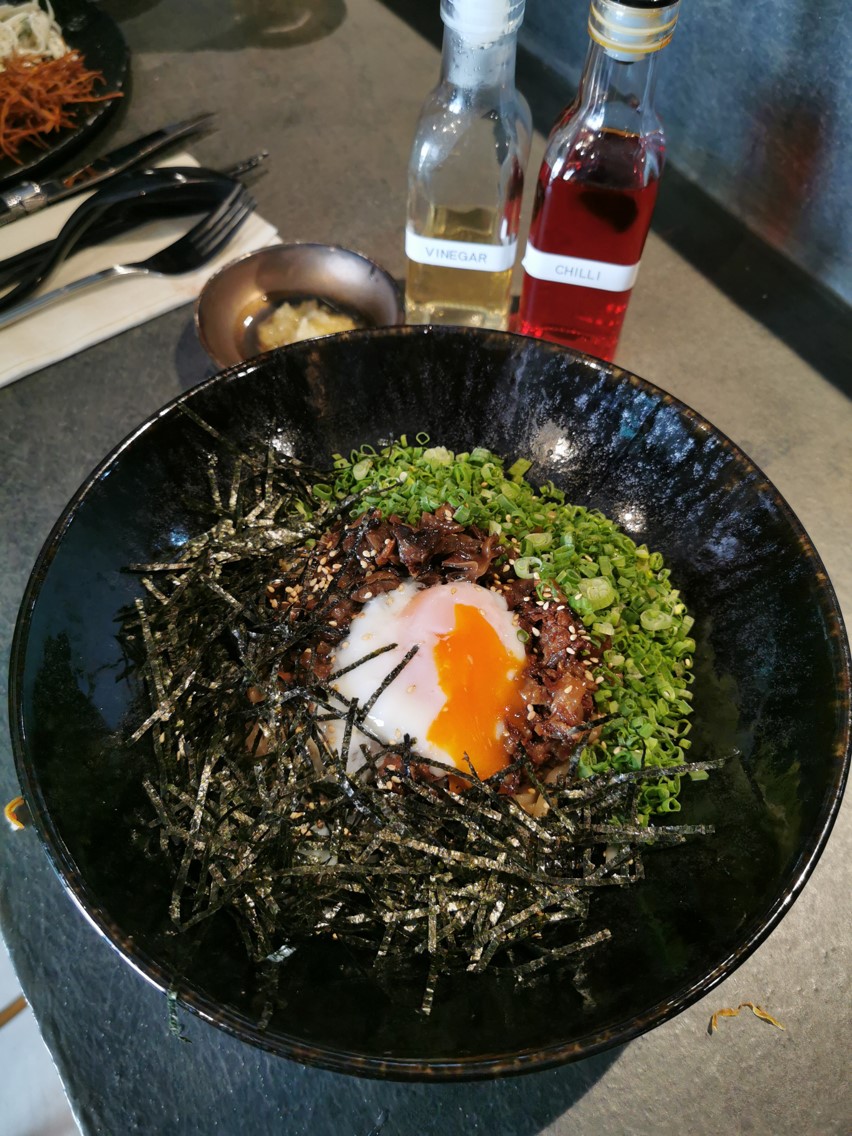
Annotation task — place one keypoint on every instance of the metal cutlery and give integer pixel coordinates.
(189, 252)
(149, 196)
(29, 197)
(123, 217)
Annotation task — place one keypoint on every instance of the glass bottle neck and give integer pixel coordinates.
(618, 91)
(488, 65)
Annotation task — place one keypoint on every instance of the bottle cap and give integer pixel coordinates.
(627, 29)
(482, 21)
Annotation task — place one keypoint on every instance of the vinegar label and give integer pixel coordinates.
(459, 254)
(576, 270)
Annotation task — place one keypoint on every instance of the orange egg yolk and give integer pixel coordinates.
(481, 681)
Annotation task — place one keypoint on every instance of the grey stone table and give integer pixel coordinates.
(332, 91)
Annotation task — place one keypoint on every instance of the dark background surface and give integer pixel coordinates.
(729, 237)
(282, 76)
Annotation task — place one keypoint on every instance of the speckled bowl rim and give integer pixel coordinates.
(482, 1066)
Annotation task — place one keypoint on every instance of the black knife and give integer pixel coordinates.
(14, 268)
(29, 197)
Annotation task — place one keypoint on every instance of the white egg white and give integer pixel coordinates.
(408, 616)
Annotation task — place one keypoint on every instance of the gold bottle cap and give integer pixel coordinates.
(627, 29)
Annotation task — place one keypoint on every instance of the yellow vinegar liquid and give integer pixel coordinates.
(435, 294)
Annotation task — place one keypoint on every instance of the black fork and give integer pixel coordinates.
(189, 252)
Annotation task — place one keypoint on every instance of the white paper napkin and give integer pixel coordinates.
(75, 323)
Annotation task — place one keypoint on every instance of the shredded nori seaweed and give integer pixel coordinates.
(258, 815)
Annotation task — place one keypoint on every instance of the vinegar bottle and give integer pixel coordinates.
(598, 183)
(466, 173)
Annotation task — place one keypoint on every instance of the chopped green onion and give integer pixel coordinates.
(527, 566)
(655, 620)
(598, 591)
(540, 539)
(517, 470)
(438, 455)
(620, 590)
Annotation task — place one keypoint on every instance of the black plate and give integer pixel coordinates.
(772, 679)
(96, 35)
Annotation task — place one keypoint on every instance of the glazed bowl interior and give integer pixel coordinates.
(772, 685)
(249, 288)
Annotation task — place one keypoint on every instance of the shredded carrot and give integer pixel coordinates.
(732, 1013)
(12, 1010)
(38, 97)
(11, 812)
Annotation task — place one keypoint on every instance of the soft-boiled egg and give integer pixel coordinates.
(455, 694)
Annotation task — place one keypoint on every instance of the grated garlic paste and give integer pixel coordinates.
(291, 322)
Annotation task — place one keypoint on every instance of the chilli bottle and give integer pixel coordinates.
(598, 183)
(466, 173)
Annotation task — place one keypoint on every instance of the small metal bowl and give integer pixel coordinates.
(244, 292)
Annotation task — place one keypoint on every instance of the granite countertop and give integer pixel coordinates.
(332, 91)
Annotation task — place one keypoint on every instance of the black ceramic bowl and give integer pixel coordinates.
(772, 679)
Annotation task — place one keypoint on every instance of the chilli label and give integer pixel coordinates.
(459, 254)
(578, 271)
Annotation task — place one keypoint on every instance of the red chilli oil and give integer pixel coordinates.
(598, 183)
